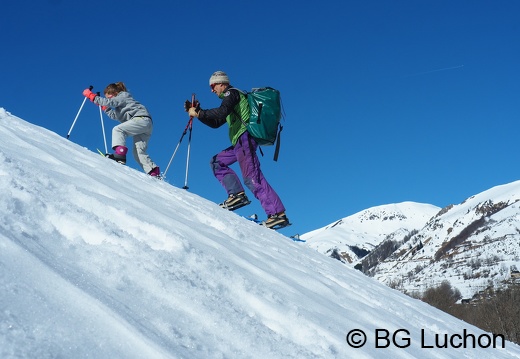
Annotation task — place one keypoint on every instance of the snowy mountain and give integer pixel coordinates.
(353, 237)
(412, 246)
(98, 260)
(473, 245)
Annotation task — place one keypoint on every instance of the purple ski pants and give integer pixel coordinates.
(245, 153)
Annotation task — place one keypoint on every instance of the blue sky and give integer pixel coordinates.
(385, 101)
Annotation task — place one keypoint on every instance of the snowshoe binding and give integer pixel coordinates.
(276, 221)
(117, 158)
(235, 201)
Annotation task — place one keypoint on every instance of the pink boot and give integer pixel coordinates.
(119, 155)
(156, 172)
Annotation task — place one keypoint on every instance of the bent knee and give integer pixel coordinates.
(250, 183)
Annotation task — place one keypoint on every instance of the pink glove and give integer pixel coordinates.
(89, 94)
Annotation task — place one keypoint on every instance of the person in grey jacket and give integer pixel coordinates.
(135, 120)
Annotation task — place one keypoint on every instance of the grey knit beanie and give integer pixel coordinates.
(219, 77)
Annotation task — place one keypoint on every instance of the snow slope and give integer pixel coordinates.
(98, 260)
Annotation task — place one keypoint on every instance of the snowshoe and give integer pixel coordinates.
(296, 238)
(253, 218)
(117, 158)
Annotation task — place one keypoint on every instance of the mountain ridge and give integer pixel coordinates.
(413, 257)
(352, 237)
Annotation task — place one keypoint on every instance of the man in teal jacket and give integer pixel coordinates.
(234, 110)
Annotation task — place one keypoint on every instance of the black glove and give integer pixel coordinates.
(188, 105)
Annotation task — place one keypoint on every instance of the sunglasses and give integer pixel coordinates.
(213, 86)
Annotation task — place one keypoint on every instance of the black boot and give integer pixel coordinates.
(276, 221)
(235, 201)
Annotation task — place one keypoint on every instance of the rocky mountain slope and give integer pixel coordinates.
(474, 245)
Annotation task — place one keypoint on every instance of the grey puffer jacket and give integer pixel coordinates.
(122, 107)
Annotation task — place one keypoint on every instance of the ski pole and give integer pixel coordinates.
(188, 157)
(102, 126)
(79, 111)
(189, 145)
(178, 145)
(176, 148)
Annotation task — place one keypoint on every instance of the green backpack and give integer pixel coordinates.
(265, 113)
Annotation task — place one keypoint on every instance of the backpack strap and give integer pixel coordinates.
(239, 90)
(277, 148)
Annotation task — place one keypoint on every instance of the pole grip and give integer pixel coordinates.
(192, 105)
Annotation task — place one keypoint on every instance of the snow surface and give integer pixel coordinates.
(98, 260)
